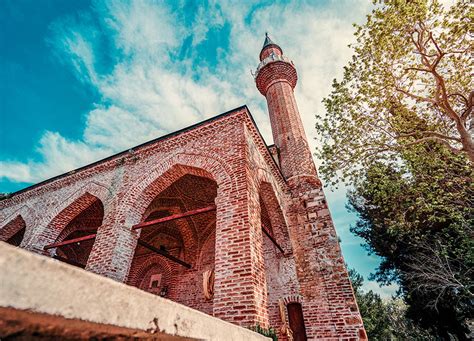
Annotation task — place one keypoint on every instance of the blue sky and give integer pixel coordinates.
(85, 79)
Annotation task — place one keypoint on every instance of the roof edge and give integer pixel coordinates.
(113, 156)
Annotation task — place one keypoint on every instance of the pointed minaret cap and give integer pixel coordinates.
(268, 43)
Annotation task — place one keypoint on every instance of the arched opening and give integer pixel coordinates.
(82, 218)
(296, 321)
(172, 257)
(13, 232)
(275, 245)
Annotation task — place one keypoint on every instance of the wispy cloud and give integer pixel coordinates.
(386, 291)
(158, 67)
(129, 52)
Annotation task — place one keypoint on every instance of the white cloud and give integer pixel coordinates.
(59, 155)
(15, 171)
(148, 92)
(385, 291)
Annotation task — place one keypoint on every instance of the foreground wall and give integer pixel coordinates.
(52, 299)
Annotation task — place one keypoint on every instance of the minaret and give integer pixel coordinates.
(328, 307)
(276, 78)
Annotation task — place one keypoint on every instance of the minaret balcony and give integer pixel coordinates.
(271, 59)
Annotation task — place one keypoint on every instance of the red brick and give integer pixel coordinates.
(223, 161)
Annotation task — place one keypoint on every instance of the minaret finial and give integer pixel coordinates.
(268, 40)
(269, 43)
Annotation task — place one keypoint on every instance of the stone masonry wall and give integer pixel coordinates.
(126, 185)
(251, 274)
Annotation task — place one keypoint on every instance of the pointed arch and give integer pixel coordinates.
(14, 231)
(44, 232)
(96, 189)
(81, 217)
(170, 189)
(24, 218)
(71, 211)
(168, 171)
(138, 273)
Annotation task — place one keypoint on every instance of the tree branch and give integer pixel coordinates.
(416, 97)
(430, 133)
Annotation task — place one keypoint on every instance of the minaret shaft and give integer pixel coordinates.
(288, 131)
(276, 78)
(328, 308)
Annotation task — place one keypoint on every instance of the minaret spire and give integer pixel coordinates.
(268, 41)
(276, 78)
(269, 47)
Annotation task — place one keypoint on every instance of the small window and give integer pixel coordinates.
(155, 281)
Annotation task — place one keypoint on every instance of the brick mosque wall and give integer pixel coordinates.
(224, 162)
(127, 187)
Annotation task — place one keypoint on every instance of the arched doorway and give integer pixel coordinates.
(13, 232)
(172, 257)
(82, 218)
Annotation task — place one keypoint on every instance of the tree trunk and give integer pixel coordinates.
(467, 141)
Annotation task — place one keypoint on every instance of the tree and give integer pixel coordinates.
(409, 83)
(418, 217)
(372, 309)
(399, 128)
(383, 319)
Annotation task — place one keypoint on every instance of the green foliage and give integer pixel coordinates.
(373, 311)
(270, 332)
(399, 127)
(418, 216)
(384, 319)
(408, 83)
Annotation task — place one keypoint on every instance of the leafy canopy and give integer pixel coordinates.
(383, 319)
(409, 82)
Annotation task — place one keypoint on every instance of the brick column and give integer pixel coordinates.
(240, 280)
(39, 238)
(113, 249)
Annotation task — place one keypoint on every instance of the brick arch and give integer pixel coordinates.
(293, 299)
(13, 232)
(135, 277)
(277, 219)
(81, 217)
(168, 171)
(71, 211)
(29, 217)
(52, 232)
(100, 191)
(51, 222)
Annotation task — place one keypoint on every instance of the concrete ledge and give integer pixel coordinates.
(42, 295)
